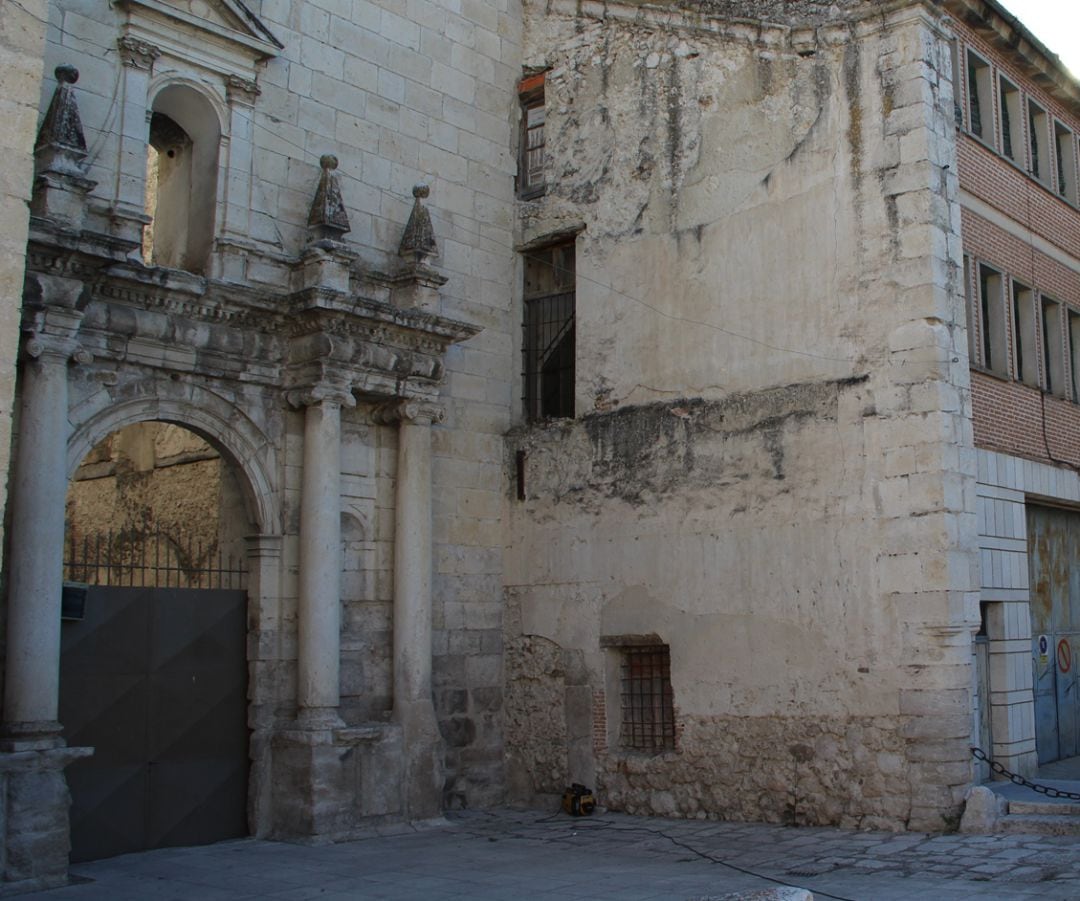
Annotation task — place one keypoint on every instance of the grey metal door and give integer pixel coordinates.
(1054, 574)
(155, 679)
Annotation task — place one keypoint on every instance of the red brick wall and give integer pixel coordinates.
(987, 242)
(1010, 417)
(1002, 185)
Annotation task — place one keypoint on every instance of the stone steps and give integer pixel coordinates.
(1045, 808)
(1005, 807)
(1040, 824)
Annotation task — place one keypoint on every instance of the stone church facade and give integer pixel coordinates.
(594, 379)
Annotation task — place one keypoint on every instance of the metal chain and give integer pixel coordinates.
(979, 754)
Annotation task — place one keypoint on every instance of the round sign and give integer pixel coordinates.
(1044, 645)
(1064, 655)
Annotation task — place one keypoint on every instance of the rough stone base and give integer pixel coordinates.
(850, 772)
(34, 804)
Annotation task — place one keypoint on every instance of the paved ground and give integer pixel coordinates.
(509, 855)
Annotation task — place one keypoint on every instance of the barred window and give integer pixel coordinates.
(548, 324)
(648, 713)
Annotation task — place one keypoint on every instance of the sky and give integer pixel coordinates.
(1054, 22)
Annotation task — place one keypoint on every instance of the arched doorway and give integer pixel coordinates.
(153, 644)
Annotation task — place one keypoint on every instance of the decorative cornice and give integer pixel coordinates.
(136, 53)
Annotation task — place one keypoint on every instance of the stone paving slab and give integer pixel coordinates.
(514, 855)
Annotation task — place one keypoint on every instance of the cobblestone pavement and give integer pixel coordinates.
(524, 855)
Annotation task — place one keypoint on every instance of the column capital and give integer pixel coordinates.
(137, 54)
(420, 412)
(46, 347)
(321, 392)
(241, 90)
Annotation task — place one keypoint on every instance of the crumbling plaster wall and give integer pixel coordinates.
(772, 469)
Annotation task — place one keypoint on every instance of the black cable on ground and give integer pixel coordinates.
(702, 854)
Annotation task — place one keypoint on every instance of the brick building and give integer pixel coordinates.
(1018, 112)
(589, 389)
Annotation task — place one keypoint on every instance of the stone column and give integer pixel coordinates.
(413, 705)
(32, 680)
(319, 615)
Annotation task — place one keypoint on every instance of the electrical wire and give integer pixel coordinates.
(597, 824)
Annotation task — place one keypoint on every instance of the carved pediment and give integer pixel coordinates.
(223, 35)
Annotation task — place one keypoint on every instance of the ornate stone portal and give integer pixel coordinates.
(108, 341)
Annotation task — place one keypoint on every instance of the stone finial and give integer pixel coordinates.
(418, 240)
(61, 146)
(328, 219)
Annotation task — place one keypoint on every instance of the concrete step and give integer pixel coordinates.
(1040, 824)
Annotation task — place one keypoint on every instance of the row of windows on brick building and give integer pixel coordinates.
(1015, 124)
(1042, 333)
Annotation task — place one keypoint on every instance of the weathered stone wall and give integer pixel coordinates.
(772, 471)
(22, 43)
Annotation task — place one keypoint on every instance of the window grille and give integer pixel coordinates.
(648, 712)
(549, 332)
(150, 560)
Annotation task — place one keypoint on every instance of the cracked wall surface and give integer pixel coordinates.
(772, 469)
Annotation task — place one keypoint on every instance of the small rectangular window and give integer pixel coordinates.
(549, 325)
(1052, 347)
(1038, 141)
(531, 179)
(980, 98)
(1065, 150)
(648, 712)
(1024, 326)
(992, 321)
(1012, 120)
(1074, 353)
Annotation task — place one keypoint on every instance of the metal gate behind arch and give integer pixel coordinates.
(154, 677)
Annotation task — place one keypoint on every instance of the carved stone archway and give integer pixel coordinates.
(107, 342)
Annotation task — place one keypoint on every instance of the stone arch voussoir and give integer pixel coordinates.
(196, 408)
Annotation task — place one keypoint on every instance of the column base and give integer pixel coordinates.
(34, 820)
(335, 784)
(316, 718)
(423, 777)
(37, 735)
